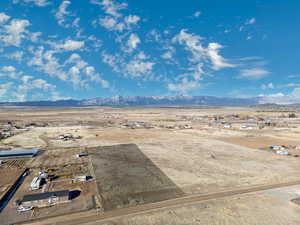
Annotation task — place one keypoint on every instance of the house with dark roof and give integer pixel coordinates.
(46, 199)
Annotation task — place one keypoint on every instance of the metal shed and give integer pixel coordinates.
(46, 199)
(19, 153)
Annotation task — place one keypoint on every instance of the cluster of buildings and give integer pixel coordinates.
(35, 200)
(9, 128)
(248, 122)
(282, 149)
(185, 126)
(67, 137)
(135, 125)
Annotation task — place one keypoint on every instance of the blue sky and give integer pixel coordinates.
(59, 49)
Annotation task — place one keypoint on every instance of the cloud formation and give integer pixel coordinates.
(40, 3)
(12, 33)
(62, 12)
(253, 74)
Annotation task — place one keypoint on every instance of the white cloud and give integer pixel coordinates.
(82, 67)
(250, 21)
(249, 37)
(19, 97)
(114, 20)
(75, 22)
(184, 85)
(253, 74)
(40, 3)
(141, 55)
(46, 62)
(113, 61)
(34, 36)
(291, 85)
(167, 55)
(118, 24)
(4, 18)
(279, 98)
(29, 84)
(133, 41)
(294, 76)
(71, 45)
(26, 78)
(139, 66)
(155, 35)
(217, 60)
(17, 55)
(111, 24)
(110, 7)
(296, 92)
(13, 33)
(197, 71)
(200, 60)
(197, 14)
(267, 86)
(95, 77)
(69, 71)
(62, 13)
(4, 88)
(136, 68)
(192, 43)
(10, 71)
(55, 96)
(22, 91)
(279, 94)
(132, 19)
(75, 77)
(22, 85)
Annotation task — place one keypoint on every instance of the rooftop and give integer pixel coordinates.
(46, 195)
(18, 153)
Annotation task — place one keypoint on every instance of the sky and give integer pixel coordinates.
(81, 49)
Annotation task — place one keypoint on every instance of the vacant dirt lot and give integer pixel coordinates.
(125, 176)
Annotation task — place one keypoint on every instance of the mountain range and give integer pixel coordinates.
(179, 100)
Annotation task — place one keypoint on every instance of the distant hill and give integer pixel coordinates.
(180, 100)
(60, 103)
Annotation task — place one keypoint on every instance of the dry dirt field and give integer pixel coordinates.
(126, 177)
(146, 155)
(262, 208)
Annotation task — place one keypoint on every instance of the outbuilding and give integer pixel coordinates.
(46, 199)
(20, 153)
(276, 147)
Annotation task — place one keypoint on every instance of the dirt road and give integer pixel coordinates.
(141, 209)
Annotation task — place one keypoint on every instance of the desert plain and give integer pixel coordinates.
(157, 166)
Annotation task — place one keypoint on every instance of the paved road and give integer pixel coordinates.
(75, 219)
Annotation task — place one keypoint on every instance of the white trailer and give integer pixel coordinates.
(35, 183)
